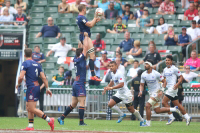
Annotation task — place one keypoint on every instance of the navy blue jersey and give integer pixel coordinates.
(80, 68)
(81, 21)
(33, 70)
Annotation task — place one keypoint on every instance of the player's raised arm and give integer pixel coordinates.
(91, 23)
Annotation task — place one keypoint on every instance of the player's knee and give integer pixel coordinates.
(163, 103)
(110, 106)
(157, 111)
(148, 106)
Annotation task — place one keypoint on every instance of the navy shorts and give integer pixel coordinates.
(81, 37)
(78, 89)
(33, 94)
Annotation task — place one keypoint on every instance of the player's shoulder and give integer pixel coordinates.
(118, 73)
(154, 71)
(144, 73)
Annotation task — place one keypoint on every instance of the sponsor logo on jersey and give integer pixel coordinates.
(35, 64)
(116, 81)
(151, 81)
(31, 97)
(120, 78)
(168, 74)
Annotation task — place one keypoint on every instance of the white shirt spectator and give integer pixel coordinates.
(61, 51)
(162, 28)
(11, 9)
(194, 33)
(121, 68)
(196, 18)
(6, 18)
(133, 72)
(190, 76)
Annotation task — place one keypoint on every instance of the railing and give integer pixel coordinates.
(188, 46)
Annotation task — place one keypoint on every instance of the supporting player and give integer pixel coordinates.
(84, 26)
(171, 73)
(152, 78)
(123, 94)
(78, 90)
(32, 70)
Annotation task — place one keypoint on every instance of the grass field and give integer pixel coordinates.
(101, 125)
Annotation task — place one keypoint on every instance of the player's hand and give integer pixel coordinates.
(140, 94)
(160, 93)
(175, 87)
(48, 92)
(17, 86)
(104, 91)
(98, 19)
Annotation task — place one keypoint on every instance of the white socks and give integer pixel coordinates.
(148, 122)
(30, 125)
(171, 116)
(186, 116)
(172, 109)
(47, 119)
(116, 108)
(137, 114)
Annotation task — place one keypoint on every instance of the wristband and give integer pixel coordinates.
(47, 88)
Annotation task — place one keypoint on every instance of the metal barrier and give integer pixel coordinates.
(188, 46)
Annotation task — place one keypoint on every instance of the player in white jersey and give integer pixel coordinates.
(123, 94)
(152, 79)
(170, 73)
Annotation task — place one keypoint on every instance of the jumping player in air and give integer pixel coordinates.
(152, 79)
(32, 71)
(170, 73)
(84, 26)
(123, 94)
(78, 88)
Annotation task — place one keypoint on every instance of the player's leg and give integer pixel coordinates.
(131, 109)
(81, 101)
(181, 108)
(141, 103)
(148, 113)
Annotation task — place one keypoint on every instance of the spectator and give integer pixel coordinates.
(154, 56)
(111, 13)
(68, 78)
(151, 43)
(132, 72)
(124, 62)
(162, 28)
(196, 18)
(20, 17)
(118, 27)
(49, 30)
(193, 62)
(140, 12)
(59, 79)
(127, 14)
(153, 3)
(196, 5)
(183, 40)
(135, 89)
(64, 7)
(37, 55)
(145, 20)
(119, 6)
(127, 44)
(42, 92)
(167, 7)
(190, 13)
(97, 65)
(74, 7)
(136, 51)
(11, 9)
(21, 4)
(170, 38)
(103, 5)
(99, 44)
(6, 17)
(188, 75)
(121, 68)
(61, 49)
(185, 4)
(104, 61)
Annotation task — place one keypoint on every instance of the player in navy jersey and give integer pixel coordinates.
(84, 26)
(78, 88)
(32, 71)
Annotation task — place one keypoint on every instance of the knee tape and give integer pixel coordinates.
(91, 50)
(152, 102)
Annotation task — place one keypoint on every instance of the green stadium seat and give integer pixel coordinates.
(51, 71)
(169, 17)
(53, 3)
(98, 29)
(110, 35)
(51, 9)
(113, 48)
(133, 29)
(75, 35)
(156, 17)
(155, 10)
(137, 35)
(75, 45)
(105, 22)
(120, 36)
(71, 54)
(50, 14)
(108, 41)
(51, 59)
(66, 35)
(37, 9)
(178, 4)
(117, 41)
(150, 10)
(49, 40)
(64, 65)
(152, 36)
(175, 49)
(36, 40)
(35, 28)
(73, 22)
(128, 2)
(63, 21)
(66, 15)
(108, 47)
(131, 22)
(180, 10)
(145, 41)
(102, 74)
(67, 29)
(144, 48)
(49, 77)
(155, 23)
(161, 47)
(45, 51)
(33, 45)
(185, 23)
(174, 22)
(40, 3)
(32, 35)
(93, 36)
(37, 15)
(44, 22)
(161, 36)
(177, 30)
(47, 65)
(159, 42)
(47, 46)
(35, 22)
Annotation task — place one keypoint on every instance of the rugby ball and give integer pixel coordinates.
(99, 12)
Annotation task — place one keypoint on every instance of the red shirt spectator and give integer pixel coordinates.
(104, 61)
(167, 7)
(190, 13)
(98, 43)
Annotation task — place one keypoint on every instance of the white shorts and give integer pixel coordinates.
(126, 97)
(171, 92)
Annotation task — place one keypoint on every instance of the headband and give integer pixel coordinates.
(146, 62)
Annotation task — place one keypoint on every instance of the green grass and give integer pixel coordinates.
(101, 125)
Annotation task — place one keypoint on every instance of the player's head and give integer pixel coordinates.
(118, 54)
(113, 66)
(148, 64)
(37, 49)
(79, 51)
(119, 20)
(61, 69)
(169, 60)
(135, 63)
(82, 8)
(28, 52)
(118, 61)
(139, 72)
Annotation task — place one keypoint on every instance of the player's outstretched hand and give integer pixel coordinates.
(48, 92)
(140, 94)
(104, 91)
(17, 86)
(98, 19)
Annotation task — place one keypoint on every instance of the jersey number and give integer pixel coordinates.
(36, 71)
